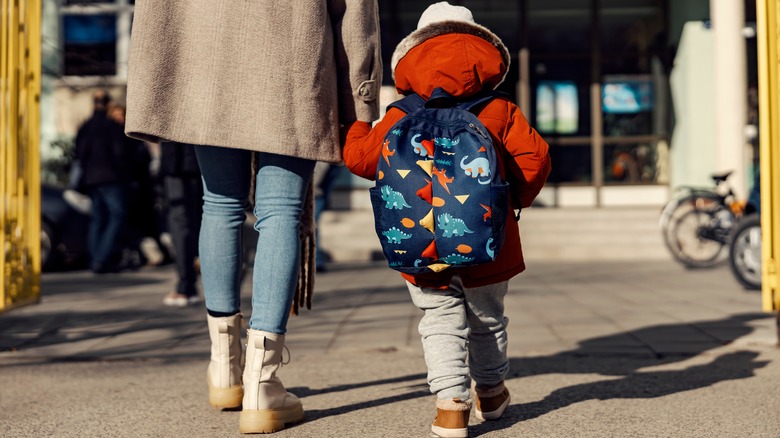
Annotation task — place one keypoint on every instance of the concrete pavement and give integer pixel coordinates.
(598, 349)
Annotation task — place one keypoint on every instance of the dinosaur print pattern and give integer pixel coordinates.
(441, 176)
(395, 236)
(478, 167)
(386, 152)
(488, 214)
(446, 143)
(439, 200)
(489, 249)
(452, 226)
(456, 259)
(393, 199)
(422, 148)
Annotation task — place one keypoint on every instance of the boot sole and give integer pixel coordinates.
(493, 415)
(268, 420)
(442, 432)
(226, 397)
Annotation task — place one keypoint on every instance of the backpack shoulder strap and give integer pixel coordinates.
(414, 102)
(480, 98)
(408, 104)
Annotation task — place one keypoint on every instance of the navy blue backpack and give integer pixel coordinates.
(439, 199)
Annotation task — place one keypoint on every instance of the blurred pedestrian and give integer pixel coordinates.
(463, 327)
(101, 152)
(325, 175)
(140, 242)
(234, 81)
(183, 187)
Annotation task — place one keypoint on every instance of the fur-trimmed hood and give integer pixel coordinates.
(433, 30)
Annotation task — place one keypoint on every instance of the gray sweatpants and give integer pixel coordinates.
(461, 325)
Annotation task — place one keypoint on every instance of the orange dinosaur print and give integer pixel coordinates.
(386, 152)
(489, 214)
(442, 177)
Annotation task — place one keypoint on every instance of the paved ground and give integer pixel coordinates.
(598, 349)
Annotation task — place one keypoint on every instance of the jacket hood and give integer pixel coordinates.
(461, 64)
(437, 29)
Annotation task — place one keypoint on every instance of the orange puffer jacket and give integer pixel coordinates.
(462, 64)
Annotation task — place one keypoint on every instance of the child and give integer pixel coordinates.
(463, 307)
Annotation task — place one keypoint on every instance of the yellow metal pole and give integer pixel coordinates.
(769, 113)
(33, 129)
(20, 70)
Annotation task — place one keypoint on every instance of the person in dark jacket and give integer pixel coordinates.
(101, 152)
(184, 198)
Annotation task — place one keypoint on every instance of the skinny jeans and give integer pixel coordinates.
(281, 186)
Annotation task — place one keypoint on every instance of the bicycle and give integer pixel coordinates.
(745, 252)
(745, 248)
(697, 222)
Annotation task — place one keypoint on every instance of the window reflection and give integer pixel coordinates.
(90, 44)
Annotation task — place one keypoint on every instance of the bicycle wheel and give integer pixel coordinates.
(745, 252)
(697, 236)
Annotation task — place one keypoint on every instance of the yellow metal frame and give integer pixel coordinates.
(20, 214)
(769, 113)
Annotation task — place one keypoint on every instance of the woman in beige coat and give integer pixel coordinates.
(276, 78)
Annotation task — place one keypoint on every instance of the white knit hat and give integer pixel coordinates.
(443, 18)
(444, 11)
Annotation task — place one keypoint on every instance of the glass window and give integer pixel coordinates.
(559, 26)
(560, 95)
(90, 44)
(557, 107)
(571, 164)
(627, 105)
(631, 163)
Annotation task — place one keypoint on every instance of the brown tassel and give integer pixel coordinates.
(253, 180)
(305, 288)
(311, 271)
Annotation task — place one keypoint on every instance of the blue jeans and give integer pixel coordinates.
(281, 184)
(106, 224)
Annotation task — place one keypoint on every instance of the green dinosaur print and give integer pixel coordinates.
(396, 236)
(393, 199)
(451, 226)
(456, 259)
(446, 143)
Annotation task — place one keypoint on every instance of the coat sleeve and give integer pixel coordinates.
(529, 166)
(358, 58)
(363, 144)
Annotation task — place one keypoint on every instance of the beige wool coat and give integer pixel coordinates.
(274, 76)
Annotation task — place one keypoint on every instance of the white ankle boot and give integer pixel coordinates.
(224, 371)
(267, 405)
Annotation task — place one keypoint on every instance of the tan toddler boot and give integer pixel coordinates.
(452, 418)
(491, 402)
(224, 371)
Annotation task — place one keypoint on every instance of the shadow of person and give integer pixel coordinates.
(639, 385)
(622, 353)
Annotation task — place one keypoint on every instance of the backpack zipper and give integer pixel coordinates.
(479, 131)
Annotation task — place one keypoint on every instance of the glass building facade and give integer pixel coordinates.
(592, 76)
